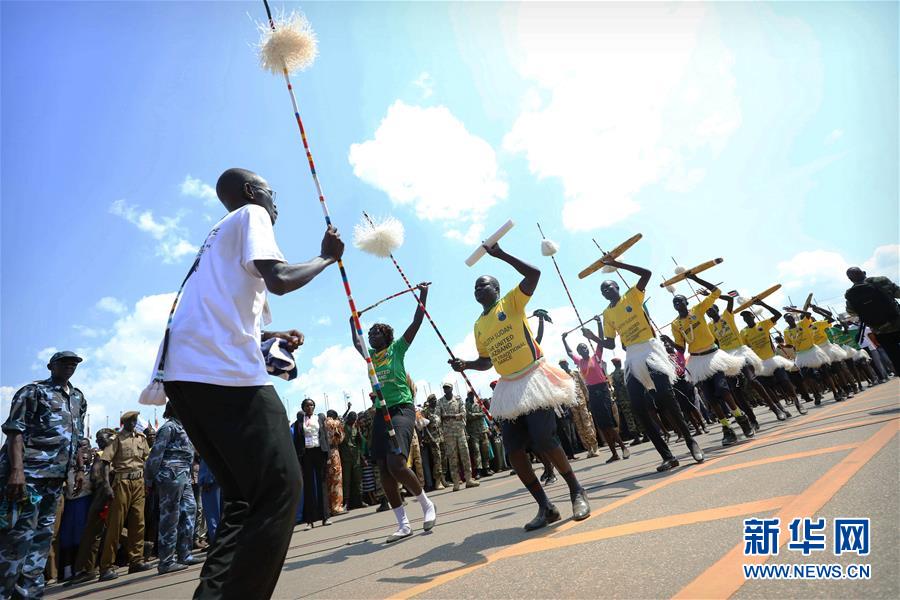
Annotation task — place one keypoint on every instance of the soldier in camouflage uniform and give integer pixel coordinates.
(169, 468)
(581, 417)
(433, 437)
(476, 428)
(453, 420)
(44, 432)
(620, 393)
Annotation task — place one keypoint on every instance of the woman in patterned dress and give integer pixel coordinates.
(334, 475)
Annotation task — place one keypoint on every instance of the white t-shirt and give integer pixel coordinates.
(215, 333)
(866, 342)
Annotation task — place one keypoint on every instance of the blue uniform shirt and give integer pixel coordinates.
(172, 455)
(50, 418)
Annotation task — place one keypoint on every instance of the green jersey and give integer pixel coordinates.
(392, 373)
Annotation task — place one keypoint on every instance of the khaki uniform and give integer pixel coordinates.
(415, 458)
(126, 456)
(433, 437)
(453, 422)
(581, 417)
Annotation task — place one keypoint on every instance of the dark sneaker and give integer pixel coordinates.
(139, 568)
(400, 534)
(613, 458)
(545, 516)
(746, 427)
(171, 568)
(191, 561)
(108, 575)
(668, 465)
(81, 578)
(729, 438)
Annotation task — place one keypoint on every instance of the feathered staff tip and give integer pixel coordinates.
(292, 45)
(380, 238)
(549, 247)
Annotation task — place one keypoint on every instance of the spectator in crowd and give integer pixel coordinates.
(334, 477)
(351, 463)
(312, 446)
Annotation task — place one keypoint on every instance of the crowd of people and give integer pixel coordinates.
(228, 471)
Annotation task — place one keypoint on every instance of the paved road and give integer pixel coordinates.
(678, 534)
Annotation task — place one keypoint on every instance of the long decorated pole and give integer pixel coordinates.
(433, 325)
(370, 367)
(383, 300)
(627, 285)
(565, 287)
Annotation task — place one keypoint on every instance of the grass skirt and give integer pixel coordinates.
(770, 365)
(834, 352)
(702, 367)
(749, 356)
(541, 385)
(854, 354)
(640, 358)
(813, 358)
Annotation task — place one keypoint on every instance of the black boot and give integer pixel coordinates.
(545, 516)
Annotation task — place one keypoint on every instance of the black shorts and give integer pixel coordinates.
(781, 375)
(403, 418)
(535, 431)
(715, 387)
(601, 406)
(811, 372)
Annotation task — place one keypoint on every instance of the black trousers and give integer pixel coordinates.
(315, 501)
(665, 401)
(891, 344)
(242, 434)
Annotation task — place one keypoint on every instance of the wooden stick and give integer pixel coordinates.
(692, 271)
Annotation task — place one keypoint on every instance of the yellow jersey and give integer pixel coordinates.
(801, 336)
(693, 328)
(757, 337)
(818, 332)
(727, 332)
(503, 334)
(627, 318)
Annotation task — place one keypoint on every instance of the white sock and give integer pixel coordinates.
(402, 520)
(427, 506)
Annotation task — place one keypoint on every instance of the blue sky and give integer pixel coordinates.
(762, 133)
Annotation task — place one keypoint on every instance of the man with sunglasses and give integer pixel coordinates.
(216, 378)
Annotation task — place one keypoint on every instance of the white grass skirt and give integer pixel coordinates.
(702, 367)
(770, 365)
(853, 353)
(834, 352)
(749, 356)
(813, 358)
(640, 358)
(540, 386)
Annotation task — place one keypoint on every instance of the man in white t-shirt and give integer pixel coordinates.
(215, 375)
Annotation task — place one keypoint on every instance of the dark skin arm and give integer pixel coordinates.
(598, 338)
(728, 300)
(293, 338)
(349, 404)
(353, 336)
(530, 274)
(282, 278)
(566, 346)
(540, 332)
(704, 283)
(827, 314)
(410, 334)
(642, 273)
(775, 314)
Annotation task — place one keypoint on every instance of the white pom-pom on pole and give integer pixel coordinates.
(292, 45)
(549, 247)
(679, 269)
(493, 239)
(379, 238)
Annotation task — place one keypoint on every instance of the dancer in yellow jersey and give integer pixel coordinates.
(728, 335)
(775, 367)
(649, 374)
(813, 362)
(529, 388)
(709, 367)
(838, 355)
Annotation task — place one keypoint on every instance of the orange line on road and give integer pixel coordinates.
(726, 577)
(774, 459)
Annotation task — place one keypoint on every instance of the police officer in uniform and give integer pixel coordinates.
(126, 455)
(44, 432)
(169, 469)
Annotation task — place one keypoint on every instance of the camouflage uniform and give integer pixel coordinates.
(50, 418)
(477, 432)
(351, 466)
(581, 417)
(453, 414)
(415, 458)
(169, 467)
(620, 392)
(433, 436)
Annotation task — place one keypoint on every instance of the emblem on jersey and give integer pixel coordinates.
(501, 316)
(627, 309)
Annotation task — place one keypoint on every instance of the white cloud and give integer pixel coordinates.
(196, 188)
(89, 332)
(471, 236)
(112, 305)
(823, 272)
(427, 159)
(335, 370)
(425, 82)
(166, 231)
(326, 320)
(834, 136)
(626, 96)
